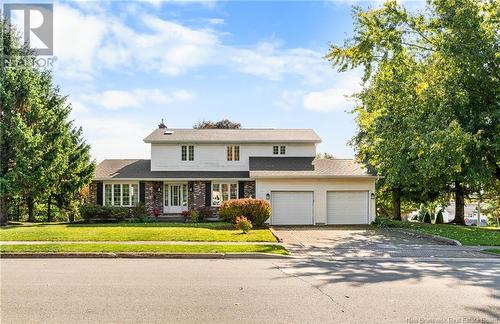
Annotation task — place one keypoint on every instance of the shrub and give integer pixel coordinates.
(257, 211)
(103, 213)
(243, 224)
(439, 217)
(195, 216)
(382, 222)
(427, 218)
(205, 212)
(186, 214)
(140, 212)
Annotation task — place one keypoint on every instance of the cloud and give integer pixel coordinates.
(89, 41)
(288, 99)
(136, 98)
(336, 98)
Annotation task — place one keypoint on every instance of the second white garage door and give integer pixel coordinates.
(292, 207)
(347, 207)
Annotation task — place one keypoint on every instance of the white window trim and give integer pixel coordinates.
(233, 152)
(121, 193)
(220, 183)
(279, 149)
(187, 152)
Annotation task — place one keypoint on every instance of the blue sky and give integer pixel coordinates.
(126, 65)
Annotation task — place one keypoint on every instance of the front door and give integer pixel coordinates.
(176, 198)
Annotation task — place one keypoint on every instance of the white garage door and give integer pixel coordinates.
(347, 207)
(292, 207)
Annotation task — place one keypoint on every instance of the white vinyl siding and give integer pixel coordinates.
(292, 207)
(347, 207)
(121, 194)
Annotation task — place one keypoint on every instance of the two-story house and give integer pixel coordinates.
(195, 168)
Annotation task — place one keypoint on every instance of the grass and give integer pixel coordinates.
(467, 235)
(194, 232)
(172, 248)
(492, 251)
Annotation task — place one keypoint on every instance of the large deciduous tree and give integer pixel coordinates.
(429, 114)
(221, 124)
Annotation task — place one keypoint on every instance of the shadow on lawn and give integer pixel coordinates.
(208, 225)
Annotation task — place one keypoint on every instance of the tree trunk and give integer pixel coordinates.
(49, 211)
(459, 204)
(31, 205)
(396, 204)
(3, 212)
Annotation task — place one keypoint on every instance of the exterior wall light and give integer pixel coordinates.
(268, 196)
(372, 195)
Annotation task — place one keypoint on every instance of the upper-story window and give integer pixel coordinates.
(279, 149)
(233, 152)
(187, 153)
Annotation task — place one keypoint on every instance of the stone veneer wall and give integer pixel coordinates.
(154, 197)
(92, 199)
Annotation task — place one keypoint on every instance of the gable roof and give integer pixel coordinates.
(245, 135)
(302, 167)
(130, 169)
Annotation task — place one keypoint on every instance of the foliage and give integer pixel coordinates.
(381, 221)
(103, 213)
(257, 211)
(186, 214)
(44, 157)
(428, 115)
(195, 216)
(427, 217)
(243, 224)
(193, 232)
(222, 124)
(325, 155)
(467, 235)
(140, 212)
(205, 212)
(439, 217)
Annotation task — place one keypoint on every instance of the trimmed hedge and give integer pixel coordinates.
(104, 213)
(257, 211)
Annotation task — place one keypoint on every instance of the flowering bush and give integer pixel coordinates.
(257, 211)
(243, 224)
(186, 214)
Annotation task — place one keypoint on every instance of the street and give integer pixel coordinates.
(247, 291)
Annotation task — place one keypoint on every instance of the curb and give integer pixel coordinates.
(142, 255)
(279, 239)
(436, 238)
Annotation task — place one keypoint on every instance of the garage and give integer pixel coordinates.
(292, 207)
(347, 207)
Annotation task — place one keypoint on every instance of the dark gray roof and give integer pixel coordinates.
(245, 135)
(141, 169)
(303, 167)
(261, 163)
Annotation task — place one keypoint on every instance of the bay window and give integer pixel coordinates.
(121, 194)
(222, 191)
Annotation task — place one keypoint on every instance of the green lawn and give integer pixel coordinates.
(493, 251)
(173, 248)
(197, 232)
(467, 235)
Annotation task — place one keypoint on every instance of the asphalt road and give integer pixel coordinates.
(247, 291)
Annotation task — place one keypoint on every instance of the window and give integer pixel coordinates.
(233, 153)
(107, 195)
(121, 194)
(187, 153)
(279, 149)
(223, 191)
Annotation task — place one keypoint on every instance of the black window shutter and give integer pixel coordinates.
(99, 193)
(142, 192)
(241, 189)
(208, 193)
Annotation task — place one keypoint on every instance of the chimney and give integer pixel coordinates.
(162, 125)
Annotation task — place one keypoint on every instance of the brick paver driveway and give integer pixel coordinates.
(366, 241)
